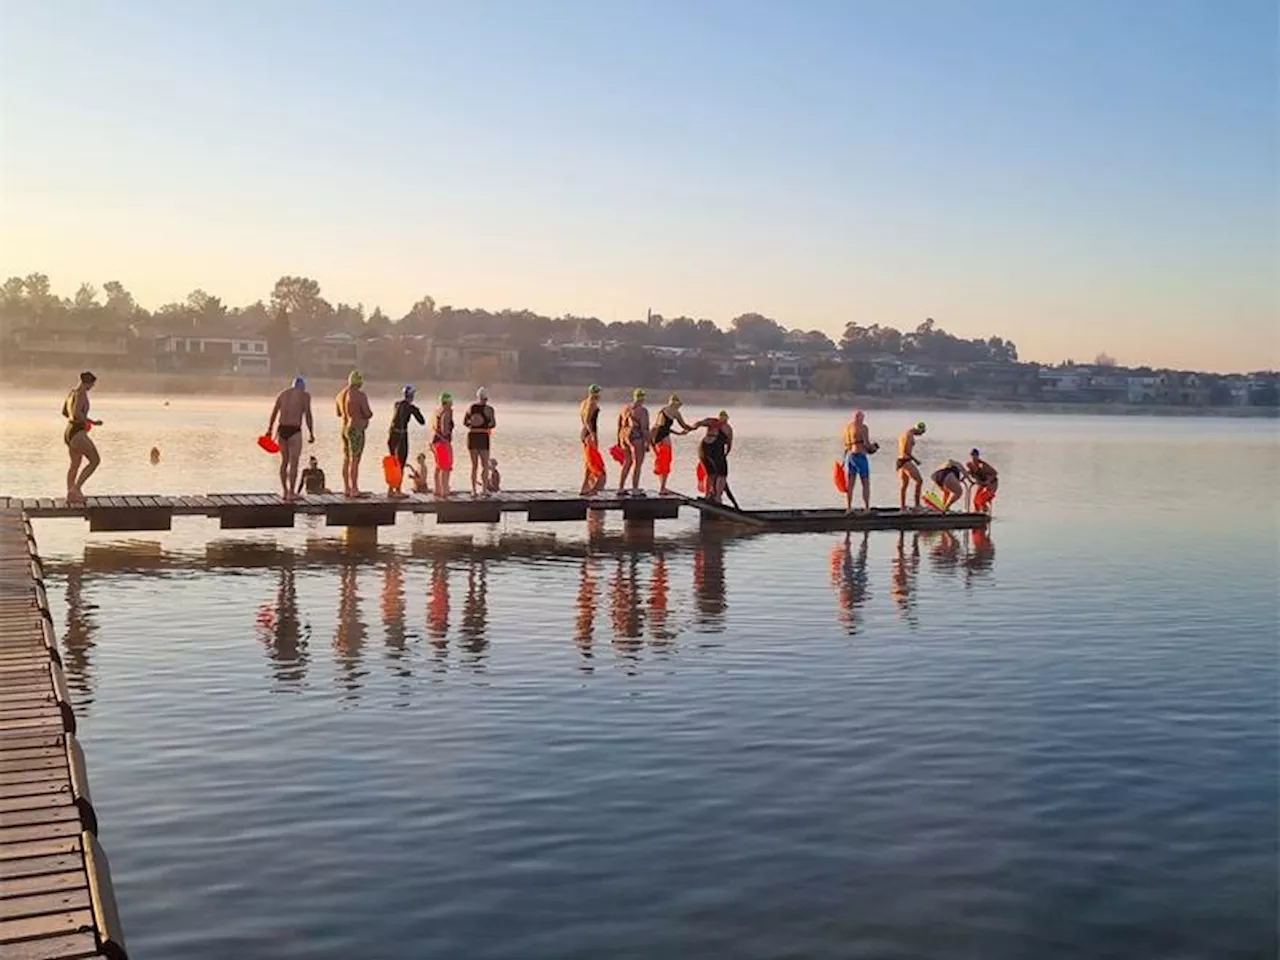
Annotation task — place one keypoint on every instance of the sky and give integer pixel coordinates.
(1078, 176)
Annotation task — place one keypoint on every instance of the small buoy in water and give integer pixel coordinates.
(155, 455)
(166, 403)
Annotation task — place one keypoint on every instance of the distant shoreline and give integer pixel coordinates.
(169, 384)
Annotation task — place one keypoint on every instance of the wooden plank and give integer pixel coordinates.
(39, 831)
(49, 847)
(33, 763)
(34, 788)
(27, 928)
(35, 801)
(38, 866)
(43, 884)
(44, 903)
(39, 817)
(69, 946)
(33, 775)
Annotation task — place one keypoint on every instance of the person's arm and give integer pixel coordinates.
(275, 412)
(680, 420)
(728, 439)
(417, 415)
(337, 404)
(306, 413)
(492, 418)
(366, 411)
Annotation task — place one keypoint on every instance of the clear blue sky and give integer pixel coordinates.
(1076, 175)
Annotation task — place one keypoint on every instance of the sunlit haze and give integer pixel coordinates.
(1076, 176)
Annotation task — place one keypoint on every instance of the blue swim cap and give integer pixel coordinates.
(408, 392)
(299, 383)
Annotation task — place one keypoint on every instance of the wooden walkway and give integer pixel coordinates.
(56, 900)
(265, 510)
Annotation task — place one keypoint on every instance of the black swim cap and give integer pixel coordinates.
(87, 377)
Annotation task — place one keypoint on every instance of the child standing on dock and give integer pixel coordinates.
(76, 436)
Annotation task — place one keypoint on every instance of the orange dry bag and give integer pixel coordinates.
(595, 462)
(391, 470)
(662, 460)
(702, 478)
(840, 477)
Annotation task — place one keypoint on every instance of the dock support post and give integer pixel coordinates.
(360, 536)
(638, 529)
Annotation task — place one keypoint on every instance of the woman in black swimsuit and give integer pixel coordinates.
(664, 424)
(398, 437)
(713, 453)
(76, 436)
(479, 422)
(947, 477)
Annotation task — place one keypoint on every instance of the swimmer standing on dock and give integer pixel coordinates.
(76, 436)
(593, 475)
(857, 447)
(906, 465)
(292, 408)
(353, 407)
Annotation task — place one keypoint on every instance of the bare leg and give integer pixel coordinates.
(866, 494)
(626, 467)
(73, 492)
(904, 479)
(475, 466)
(284, 471)
(355, 476)
(92, 459)
(346, 468)
(444, 482)
(294, 449)
(637, 454)
(484, 473)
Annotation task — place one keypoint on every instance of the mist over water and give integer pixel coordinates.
(542, 741)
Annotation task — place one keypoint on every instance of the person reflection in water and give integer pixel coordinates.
(77, 640)
(438, 607)
(282, 633)
(393, 611)
(660, 634)
(348, 639)
(944, 551)
(584, 623)
(708, 581)
(849, 577)
(475, 611)
(980, 558)
(624, 605)
(903, 571)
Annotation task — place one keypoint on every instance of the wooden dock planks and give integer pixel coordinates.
(56, 901)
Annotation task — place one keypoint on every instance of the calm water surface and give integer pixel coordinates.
(531, 741)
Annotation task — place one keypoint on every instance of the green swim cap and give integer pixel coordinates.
(637, 394)
(920, 426)
(446, 397)
(723, 414)
(674, 398)
(354, 378)
(594, 388)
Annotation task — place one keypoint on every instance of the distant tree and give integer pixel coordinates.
(309, 313)
(280, 340)
(1104, 360)
(378, 324)
(86, 297)
(760, 332)
(120, 302)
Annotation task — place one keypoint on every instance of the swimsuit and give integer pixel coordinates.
(478, 435)
(635, 432)
(857, 463)
(398, 436)
(903, 461)
(940, 475)
(662, 428)
(313, 480)
(713, 456)
(74, 424)
(353, 441)
(284, 432)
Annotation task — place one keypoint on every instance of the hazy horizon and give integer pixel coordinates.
(1078, 178)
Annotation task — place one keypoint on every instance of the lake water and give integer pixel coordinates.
(532, 741)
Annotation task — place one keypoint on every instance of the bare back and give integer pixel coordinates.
(907, 445)
(294, 404)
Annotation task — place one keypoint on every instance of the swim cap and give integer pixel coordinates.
(674, 398)
(408, 392)
(637, 394)
(482, 393)
(920, 426)
(858, 416)
(974, 452)
(446, 397)
(354, 378)
(594, 388)
(88, 377)
(422, 457)
(299, 383)
(723, 414)
(493, 463)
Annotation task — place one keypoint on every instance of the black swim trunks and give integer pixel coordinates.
(284, 433)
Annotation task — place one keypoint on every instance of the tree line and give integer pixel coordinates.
(297, 308)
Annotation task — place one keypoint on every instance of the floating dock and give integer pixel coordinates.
(56, 899)
(237, 511)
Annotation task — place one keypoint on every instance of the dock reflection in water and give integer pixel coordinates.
(646, 596)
